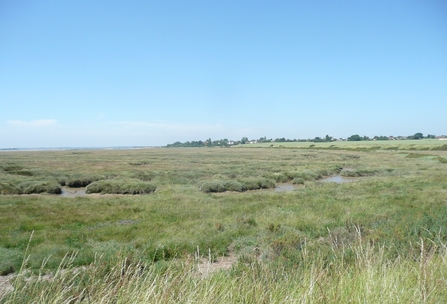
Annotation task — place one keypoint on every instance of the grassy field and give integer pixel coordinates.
(378, 239)
(425, 144)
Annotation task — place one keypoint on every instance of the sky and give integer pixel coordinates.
(148, 73)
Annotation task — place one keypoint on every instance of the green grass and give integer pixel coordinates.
(128, 186)
(424, 144)
(380, 238)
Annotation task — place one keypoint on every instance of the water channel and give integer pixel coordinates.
(338, 179)
(67, 191)
(280, 187)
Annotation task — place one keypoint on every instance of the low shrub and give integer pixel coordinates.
(120, 187)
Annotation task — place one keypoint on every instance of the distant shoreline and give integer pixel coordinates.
(78, 148)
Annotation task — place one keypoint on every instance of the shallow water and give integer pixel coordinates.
(284, 187)
(338, 179)
(67, 191)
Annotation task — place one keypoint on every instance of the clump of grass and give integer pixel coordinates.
(51, 187)
(130, 186)
(9, 188)
(79, 181)
(10, 260)
(212, 186)
(144, 176)
(298, 181)
(440, 148)
(280, 177)
(442, 159)
(232, 185)
(306, 175)
(30, 187)
(357, 172)
(257, 183)
(240, 185)
(15, 169)
(139, 163)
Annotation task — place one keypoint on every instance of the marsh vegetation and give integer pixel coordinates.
(155, 215)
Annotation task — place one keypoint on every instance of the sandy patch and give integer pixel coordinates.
(5, 284)
(205, 267)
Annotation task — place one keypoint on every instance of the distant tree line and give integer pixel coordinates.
(418, 135)
(226, 143)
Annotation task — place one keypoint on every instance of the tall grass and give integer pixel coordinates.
(371, 277)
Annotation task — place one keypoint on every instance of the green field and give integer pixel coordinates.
(378, 239)
(425, 144)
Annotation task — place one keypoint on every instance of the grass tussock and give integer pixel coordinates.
(120, 187)
(78, 181)
(240, 185)
(30, 187)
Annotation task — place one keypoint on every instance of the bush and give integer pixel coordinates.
(120, 187)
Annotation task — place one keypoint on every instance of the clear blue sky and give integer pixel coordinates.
(120, 73)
